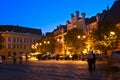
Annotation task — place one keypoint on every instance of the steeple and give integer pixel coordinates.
(108, 8)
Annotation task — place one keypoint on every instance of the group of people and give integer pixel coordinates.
(20, 58)
(91, 59)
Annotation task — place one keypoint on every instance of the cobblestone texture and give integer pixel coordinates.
(57, 70)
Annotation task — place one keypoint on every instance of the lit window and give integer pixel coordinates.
(9, 46)
(9, 39)
(14, 39)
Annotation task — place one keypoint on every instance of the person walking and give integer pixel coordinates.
(93, 61)
(89, 60)
(26, 55)
(20, 58)
(14, 58)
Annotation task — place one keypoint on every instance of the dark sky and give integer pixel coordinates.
(47, 14)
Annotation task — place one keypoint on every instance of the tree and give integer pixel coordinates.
(75, 40)
(103, 38)
(46, 44)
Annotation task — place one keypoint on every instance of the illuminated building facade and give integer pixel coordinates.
(18, 39)
(87, 24)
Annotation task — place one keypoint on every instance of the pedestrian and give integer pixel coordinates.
(89, 60)
(93, 61)
(3, 57)
(20, 58)
(26, 56)
(14, 58)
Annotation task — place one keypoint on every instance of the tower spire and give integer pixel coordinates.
(107, 7)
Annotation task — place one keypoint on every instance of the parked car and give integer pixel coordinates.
(63, 57)
(43, 56)
(53, 56)
(75, 57)
(115, 59)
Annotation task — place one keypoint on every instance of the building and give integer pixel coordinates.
(18, 39)
(113, 16)
(58, 34)
(88, 24)
(77, 22)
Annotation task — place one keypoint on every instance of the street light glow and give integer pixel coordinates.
(44, 42)
(61, 40)
(48, 42)
(40, 44)
(112, 33)
(58, 39)
(78, 37)
(84, 36)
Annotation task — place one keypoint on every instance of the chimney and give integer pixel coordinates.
(67, 22)
(77, 14)
(72, 15)
(83, 15)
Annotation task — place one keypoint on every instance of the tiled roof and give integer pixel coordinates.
(19, 29)
(92, 19)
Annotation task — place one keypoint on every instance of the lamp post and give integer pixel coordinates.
(60, 45)
(81, 42)
(112, 33)
(45, 46)
(79, 37)
(113, 39)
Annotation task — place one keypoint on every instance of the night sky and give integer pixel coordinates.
(47, 14)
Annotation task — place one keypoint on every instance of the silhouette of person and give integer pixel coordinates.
(93, 61)
(14, 58)
(26, 56)
(20, 58)
(89, 60)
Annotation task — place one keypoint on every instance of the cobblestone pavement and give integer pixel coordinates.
(57, 70)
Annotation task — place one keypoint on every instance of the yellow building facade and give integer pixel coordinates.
(17, 42)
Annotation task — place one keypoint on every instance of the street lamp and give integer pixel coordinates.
(78, 36)
(44, 42)
(58, 39)
(81, 42)
(83, 37)
(40, 44)
(112, 33)
(48, 42)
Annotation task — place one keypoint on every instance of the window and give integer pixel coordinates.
(24, 40)
(9, 39)
(28, 40)
(14, 39)
(18, 46)
(9, 46)
(20, 39)
(14, 46)
(17, 39)
(24, 47)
